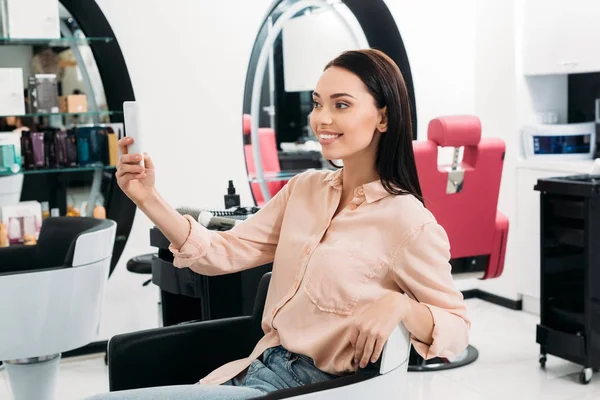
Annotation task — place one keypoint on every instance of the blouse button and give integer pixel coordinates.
(353, 206)
(360, 191)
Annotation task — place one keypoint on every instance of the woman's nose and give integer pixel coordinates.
(323, 117)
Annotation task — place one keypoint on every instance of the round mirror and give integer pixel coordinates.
(296, 40)
(74, 87)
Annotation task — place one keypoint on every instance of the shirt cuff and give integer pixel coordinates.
(194, 247)
(450, 335)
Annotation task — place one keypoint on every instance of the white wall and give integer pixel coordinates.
(495, 104)
(187, 60)
(439, 37)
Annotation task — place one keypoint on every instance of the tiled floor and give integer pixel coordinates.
(507, 367)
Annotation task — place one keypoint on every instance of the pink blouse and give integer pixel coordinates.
(326, 269)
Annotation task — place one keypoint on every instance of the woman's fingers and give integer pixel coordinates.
(148, 163)
(131, 158)
(123, 143)
(378, 350)
(368, 351)
(360, 346)
(129, 169)
(125, 179)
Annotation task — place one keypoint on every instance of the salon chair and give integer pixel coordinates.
(463, 197)
(270, 159)
(182, 354)
(50, 299)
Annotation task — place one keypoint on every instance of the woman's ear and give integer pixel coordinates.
(382, 120)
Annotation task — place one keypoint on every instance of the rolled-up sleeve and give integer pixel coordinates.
(249, 244)
(422, 270)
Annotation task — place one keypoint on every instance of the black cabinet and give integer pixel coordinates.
(570, 271)
(188, 296)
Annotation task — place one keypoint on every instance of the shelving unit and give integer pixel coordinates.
(65, 170)
(82, 24)
(66, 114)
(54, 42)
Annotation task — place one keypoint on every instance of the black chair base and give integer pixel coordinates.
(419, 364)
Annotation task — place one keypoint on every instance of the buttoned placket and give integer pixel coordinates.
(308, 250)
(359, 198)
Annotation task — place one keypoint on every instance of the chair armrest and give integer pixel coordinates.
(179, 354)
(18, 258)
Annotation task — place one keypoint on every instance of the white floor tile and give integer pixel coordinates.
(507, 367)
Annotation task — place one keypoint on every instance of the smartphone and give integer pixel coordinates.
(132, 128)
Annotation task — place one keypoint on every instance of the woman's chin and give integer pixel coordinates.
(332, 155)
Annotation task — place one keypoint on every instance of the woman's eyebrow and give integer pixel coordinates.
(335, 95)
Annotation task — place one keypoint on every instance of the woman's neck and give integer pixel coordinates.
(356, 174)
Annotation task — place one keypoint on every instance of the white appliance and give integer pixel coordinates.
(560, 141)
(29, 19)
(10, 189)
(305, 52)
(12, 96)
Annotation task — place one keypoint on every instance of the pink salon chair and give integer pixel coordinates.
(270, 159)
(463, 197)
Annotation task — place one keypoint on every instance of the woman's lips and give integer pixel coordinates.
(326, 138)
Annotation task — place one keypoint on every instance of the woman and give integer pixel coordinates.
(346, 245)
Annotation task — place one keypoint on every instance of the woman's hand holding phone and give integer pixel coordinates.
(135, 179)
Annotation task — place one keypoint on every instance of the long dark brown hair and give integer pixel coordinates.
(395, 160)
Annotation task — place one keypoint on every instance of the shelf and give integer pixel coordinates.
(66, 114)
(54, 42)
(63, 170)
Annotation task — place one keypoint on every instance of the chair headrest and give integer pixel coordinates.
(455, 131)
(246, 122)
(58, 235)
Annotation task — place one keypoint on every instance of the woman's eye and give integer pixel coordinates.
(315, 104)
(341, 105)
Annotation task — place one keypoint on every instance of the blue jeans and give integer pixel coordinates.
(278, 369)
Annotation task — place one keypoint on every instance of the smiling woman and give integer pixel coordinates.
(298, 38)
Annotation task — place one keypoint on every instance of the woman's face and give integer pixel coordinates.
(345, 117)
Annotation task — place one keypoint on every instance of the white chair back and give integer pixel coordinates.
(56, 310)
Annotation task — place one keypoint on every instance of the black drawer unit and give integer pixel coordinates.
(570, 271)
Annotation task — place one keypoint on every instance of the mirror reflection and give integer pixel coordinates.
(58, 141)
(298, 39)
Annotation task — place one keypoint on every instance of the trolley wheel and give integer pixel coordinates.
(543, 360)
(585, 376)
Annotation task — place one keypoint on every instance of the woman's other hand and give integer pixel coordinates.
(136, 181)
(373, 327)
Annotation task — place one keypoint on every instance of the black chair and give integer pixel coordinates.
(182, 354)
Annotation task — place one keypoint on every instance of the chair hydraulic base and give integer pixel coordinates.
(419, 364)
(33, 378)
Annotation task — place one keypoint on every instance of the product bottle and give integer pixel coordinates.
(3, 235)
(27, 151)
(99, 211)
(45, 210)
(39, 156)
(231, 199)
